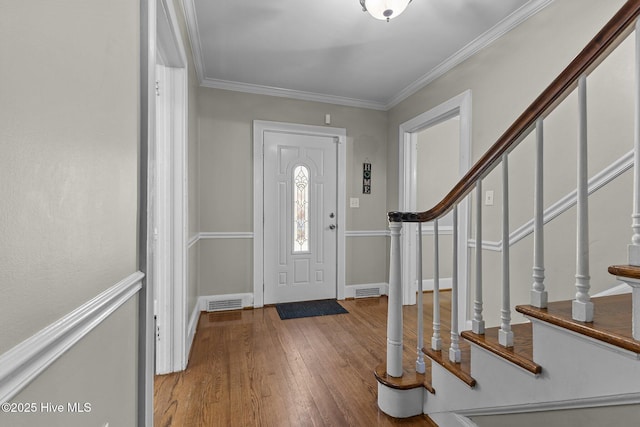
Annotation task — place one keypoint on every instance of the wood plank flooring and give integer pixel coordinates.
(249, 368)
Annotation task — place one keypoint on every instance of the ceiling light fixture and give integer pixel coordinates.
(384, 9)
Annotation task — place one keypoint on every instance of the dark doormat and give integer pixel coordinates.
(295, 310)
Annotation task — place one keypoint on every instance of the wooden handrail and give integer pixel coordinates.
(596, 50)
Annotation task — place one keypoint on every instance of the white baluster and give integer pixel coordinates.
(538, 292)
(436, 340)
(634, 247)
(582, 307)
(454, 349)
(505, 335)
(477, 324)
(394, 310)
(420, 359)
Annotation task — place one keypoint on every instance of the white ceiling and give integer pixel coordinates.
(332, 51)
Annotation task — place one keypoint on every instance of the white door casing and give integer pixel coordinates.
(459, 105)
(335, 137)
(167, 211)
(300, 203)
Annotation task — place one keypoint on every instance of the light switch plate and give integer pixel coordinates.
(354, 202)
(488, 198)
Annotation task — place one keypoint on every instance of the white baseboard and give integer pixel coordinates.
(445, 283)
(193, 326)
(24, 362)
(351, 291)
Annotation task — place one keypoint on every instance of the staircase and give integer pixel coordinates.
(570, 354)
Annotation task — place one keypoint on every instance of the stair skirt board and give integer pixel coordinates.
(226, 302)
(568, 379)
(366, 290)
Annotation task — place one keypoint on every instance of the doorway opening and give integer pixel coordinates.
(435, 146)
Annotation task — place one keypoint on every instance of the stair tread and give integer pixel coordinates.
(628, 271)
(521, 354)
(461, 370)
(410, 379)
(611, 320)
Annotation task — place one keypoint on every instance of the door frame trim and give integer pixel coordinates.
(171, 353)
(259, 128)
(459, 105)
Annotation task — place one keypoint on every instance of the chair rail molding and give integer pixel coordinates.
(602, 178)
(24, 362)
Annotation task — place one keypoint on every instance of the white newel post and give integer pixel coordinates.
(420, 359)
(582, 307)
(394, 401)
(538, 293)
(477, 324)
(394, 310)
(436, 340)
(505, 334)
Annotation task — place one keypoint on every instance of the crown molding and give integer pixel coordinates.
(290, 93)
(497, 31)
(484, 40)
(189, 10)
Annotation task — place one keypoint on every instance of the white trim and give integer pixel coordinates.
(461, 106)
(589, 402)
(602, 178)
(193, 240)
(250, 234)
(24, 362)
(483, 41)
(259, 128)
(367, 233)
(193, 326)
(291, 94)
(189, 10)
(147, 128)
(427, 230)
(444, 282)
(171, 351)
(350, 290)
(464, 421)
(226, 235)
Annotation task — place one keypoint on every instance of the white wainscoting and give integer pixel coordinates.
(24, 362)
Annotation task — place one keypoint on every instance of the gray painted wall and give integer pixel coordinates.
(69, 173)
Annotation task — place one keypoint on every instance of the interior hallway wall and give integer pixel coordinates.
(226, 183)
(69, 137)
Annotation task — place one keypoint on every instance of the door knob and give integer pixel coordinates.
(332, 227)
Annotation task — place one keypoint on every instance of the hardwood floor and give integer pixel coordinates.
(249, 368)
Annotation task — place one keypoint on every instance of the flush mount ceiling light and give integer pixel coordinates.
(384, 9)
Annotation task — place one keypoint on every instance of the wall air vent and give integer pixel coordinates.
(224, 304)
(368, 292)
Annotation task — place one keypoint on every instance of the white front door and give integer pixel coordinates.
(300, 208)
